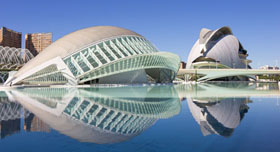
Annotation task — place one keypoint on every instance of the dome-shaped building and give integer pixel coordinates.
(100, 54)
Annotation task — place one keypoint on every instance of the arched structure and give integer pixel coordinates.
(9, 110)
(218, 49)
(13, 58)
(101, 54)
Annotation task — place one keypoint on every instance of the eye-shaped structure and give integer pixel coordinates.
(101, 54)
(217, 48)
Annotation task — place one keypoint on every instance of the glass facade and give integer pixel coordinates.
(48, 75)
(133, 63)
(106, 52)
(106, 113)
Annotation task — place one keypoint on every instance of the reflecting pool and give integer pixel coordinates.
(189, 117)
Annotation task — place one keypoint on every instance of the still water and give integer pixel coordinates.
(189, 117)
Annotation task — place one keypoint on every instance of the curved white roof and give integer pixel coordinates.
(225, 51)
(75, 41)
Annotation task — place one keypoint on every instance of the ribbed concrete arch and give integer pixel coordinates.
(13, 58)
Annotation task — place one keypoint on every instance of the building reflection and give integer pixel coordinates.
(219, 113)
(11, 116)
(100, 115)
(218, 117)
(219, 107)
(115, 114)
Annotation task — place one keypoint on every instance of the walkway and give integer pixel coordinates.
(210, 74)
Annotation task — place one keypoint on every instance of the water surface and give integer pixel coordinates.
(189, 117)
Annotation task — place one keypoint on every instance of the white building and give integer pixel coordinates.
(267, 67)
(218, 49)
(101, 54)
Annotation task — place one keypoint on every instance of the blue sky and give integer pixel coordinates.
(172, 25)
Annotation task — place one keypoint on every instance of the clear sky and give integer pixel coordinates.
(172, 25)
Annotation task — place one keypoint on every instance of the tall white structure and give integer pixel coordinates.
(101, 54)
(218, 49)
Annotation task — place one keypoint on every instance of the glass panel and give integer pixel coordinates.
(90, 58)
(113, 50)
(70, 107)
(100, 58)
(106, 52)
(114, 41)
(71, 66)
(135, 44)
(79, 112)
(132, 45)
(92, 61)
(80, 62)
(130, 51)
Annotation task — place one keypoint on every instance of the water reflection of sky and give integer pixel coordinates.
(196, 117)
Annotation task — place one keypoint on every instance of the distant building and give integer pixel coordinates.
(183, 65)
(10, 38)
(37, 42)
(267, 67)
